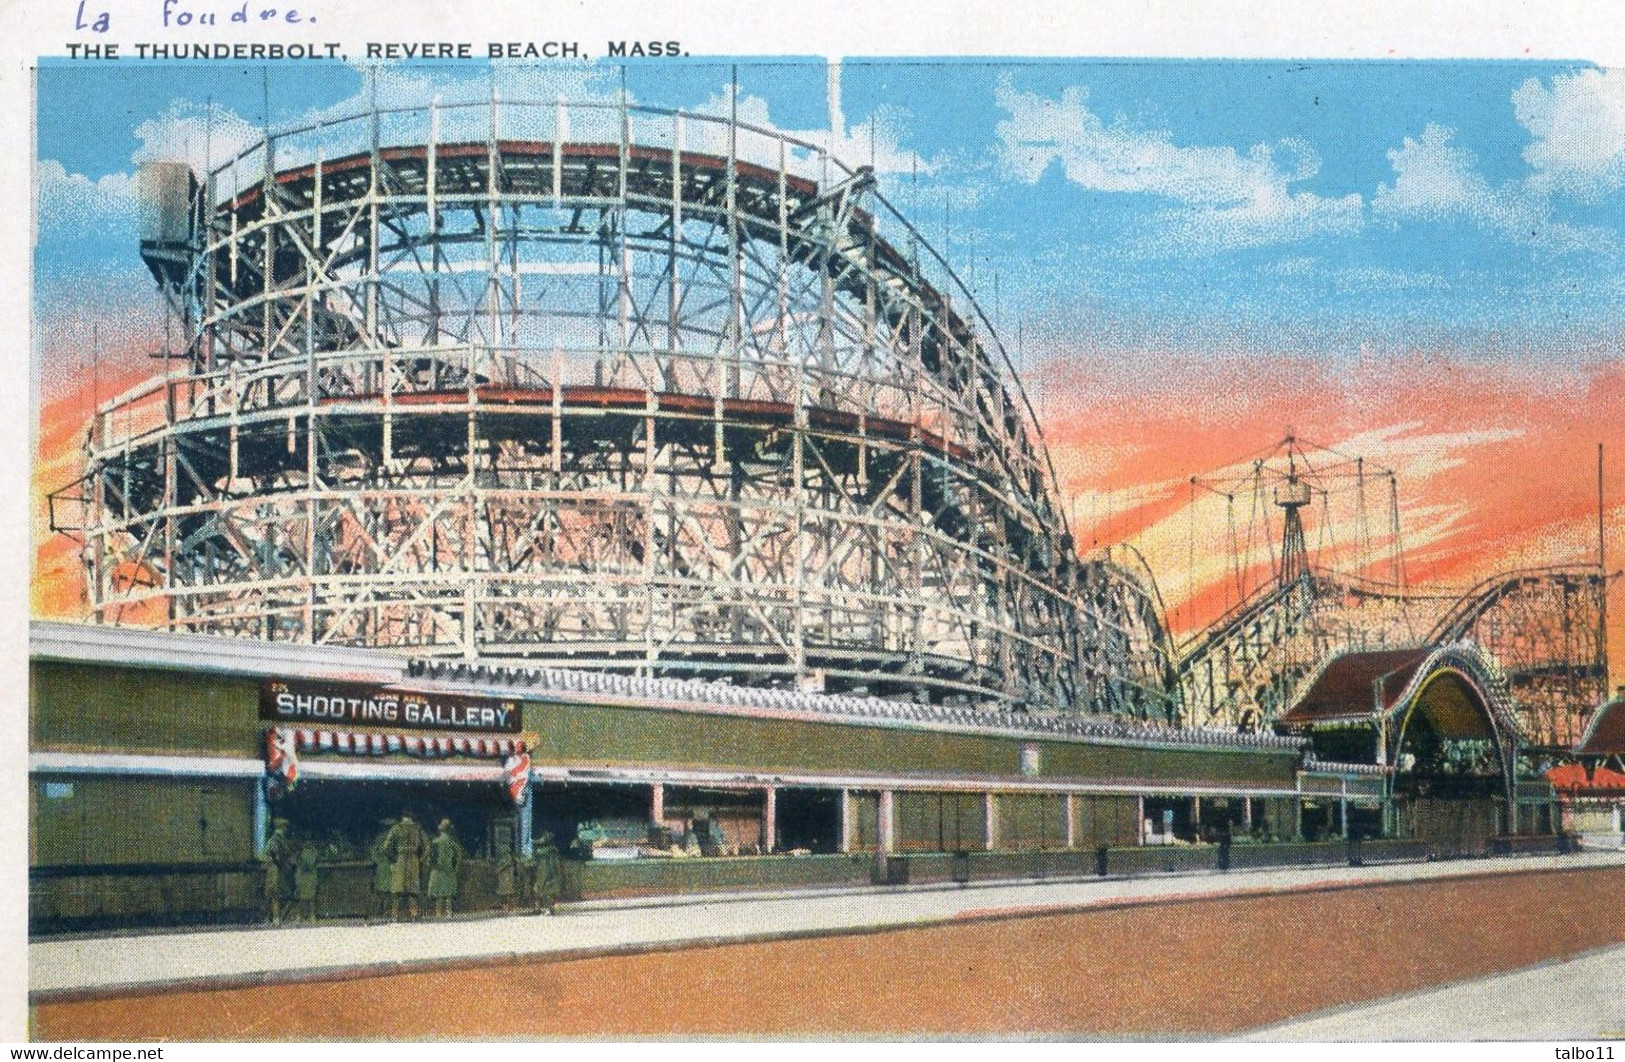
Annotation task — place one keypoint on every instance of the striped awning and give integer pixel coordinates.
(426, 746)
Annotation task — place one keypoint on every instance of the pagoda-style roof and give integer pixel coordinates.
(1343, 692)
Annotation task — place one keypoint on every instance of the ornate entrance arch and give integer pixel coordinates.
(1460, 694)
(1441, 720)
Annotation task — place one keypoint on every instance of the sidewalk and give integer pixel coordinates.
(59, 968)
(1572, 999)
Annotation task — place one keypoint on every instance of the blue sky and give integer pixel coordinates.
(1312, 208)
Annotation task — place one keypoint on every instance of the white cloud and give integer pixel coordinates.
(1225, 199)
(876, 142)
(1578, 129)
(73, 201)
(1437, 180)
(1275, 216)
(1040, 132)
(198, 134)
(1423, 455)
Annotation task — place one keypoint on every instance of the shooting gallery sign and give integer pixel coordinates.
(359, 703)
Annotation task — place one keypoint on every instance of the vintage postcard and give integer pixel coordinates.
(626, 536)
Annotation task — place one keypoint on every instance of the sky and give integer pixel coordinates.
(1415, 262)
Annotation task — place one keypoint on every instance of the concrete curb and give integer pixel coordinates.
(349, 971)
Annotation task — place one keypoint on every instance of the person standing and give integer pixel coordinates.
(306, 879)
(549, 874)
(445, 859)
(278, 862)
(405, 846)
(507, 884)
(383, 873)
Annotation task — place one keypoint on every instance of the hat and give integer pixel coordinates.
(445, 824)
(280, 824)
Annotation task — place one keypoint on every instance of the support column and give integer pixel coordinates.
(1509, 759)
(1343, 815)
(1072, 820)
(883, 823)
(770, 818)
(525, 824)
(262, 816)
(846, 821)
(990, 820)
(657, 803)
(1247, 813)
(1196, 815)
(1139, 821)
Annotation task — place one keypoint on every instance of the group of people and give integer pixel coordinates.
(290, 874)
(531, 883)
(408, 865)
(404, 855)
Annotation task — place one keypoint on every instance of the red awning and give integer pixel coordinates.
(1574, 778)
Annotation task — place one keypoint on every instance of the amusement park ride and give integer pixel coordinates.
(1543, 629)
(631, 390)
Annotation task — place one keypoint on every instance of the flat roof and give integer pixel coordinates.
(137, 647)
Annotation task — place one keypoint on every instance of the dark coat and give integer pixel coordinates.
(305, 873)
(383, 872)
(278, 862)
(445, 856)
(549, 874)
(406, 846)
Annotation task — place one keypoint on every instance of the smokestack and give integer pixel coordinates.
(837, 120)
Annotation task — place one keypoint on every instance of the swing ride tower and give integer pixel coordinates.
(1294, 610)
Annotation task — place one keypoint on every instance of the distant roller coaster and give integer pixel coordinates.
(1541, 627)
(602, 386)
(1542, 630)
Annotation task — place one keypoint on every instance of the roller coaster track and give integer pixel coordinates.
(1540, 627)
(601, 386)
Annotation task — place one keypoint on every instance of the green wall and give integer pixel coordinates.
(112, 819)
(127, 709)
(607, 736)
(79, 706)
(1113, 821)
(939, 822)
(863, 814)
(1029, 821)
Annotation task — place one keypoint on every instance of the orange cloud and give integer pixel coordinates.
(1496, 463)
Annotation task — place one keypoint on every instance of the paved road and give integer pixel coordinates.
(59, 967)
(1574, 999)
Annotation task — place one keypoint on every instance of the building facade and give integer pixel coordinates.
(159, 761)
